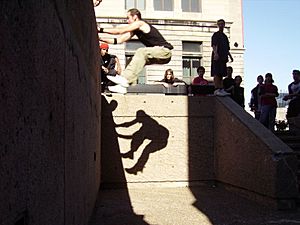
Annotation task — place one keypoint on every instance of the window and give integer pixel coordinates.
(191, 60)
(130, 49)
(139, 4)
(163, 5)
(191, 5)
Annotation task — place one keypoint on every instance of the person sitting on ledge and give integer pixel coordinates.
(199, 80)
(170, 80)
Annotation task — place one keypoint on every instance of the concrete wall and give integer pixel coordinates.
(249, 156)
(210, 139)
(50, 112)
(167, 130)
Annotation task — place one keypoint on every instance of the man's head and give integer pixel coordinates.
(133, 15)
(238, 80)
(221, 24)
(296, 75)
(201, 71)
(104, 48)
(229, 71)
(97, 2)
(260, 79)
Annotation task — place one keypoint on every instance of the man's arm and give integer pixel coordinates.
(119, 69)
(123, 29)
(230, 56)
(123, 38)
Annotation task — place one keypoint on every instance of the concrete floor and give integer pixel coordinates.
(204, 205)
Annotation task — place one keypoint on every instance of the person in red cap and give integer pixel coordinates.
(110, 66)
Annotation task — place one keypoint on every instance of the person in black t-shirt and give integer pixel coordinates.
(238, 93)
(228, 82)
(219, 58)
(255, 101)
(157, 50)
(294, 96)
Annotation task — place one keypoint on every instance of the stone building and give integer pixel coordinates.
(187, 24)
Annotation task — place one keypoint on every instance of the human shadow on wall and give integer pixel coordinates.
(113, 204)
(151, 130)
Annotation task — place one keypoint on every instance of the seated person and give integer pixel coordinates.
(110, 65)
(228, 82)
(170, 80)
(200, 80)
(238, 92)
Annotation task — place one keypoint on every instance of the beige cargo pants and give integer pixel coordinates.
(146, 56)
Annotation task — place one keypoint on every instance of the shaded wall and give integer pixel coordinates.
(170, 150)
(49, 110)
(210, 139)
(249, 156)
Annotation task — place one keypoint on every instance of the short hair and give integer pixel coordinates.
(238, 76)
(260, 76)
(296, 72)
(221, 20)
(134, 12)
(200, 68)
(230, 68)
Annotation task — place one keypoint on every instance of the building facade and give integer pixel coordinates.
(187, 24)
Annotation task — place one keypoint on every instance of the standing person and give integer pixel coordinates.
(157, 50)
(228, 82)
(294, 95)
(238, 93)
(199, 80)
(110, 65)
(255, 101)
(219, 58)
(268, 94)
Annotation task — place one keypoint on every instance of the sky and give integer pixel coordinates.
(271, 40)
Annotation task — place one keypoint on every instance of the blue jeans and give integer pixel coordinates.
(267, 116)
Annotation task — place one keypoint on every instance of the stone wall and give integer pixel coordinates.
(50, 112)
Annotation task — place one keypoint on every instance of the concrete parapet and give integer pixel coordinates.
(50, 112)
(251, 157)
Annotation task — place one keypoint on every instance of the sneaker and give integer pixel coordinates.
(221, 93)
(119, 80)
(118, 89)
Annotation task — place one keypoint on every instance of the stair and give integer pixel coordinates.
(292, 139)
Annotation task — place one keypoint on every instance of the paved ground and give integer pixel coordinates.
(185, 206)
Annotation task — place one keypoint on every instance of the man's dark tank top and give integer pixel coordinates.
(153, 38)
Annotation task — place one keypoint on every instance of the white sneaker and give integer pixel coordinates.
(119, 80)
(118, 89)
(221, 93)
